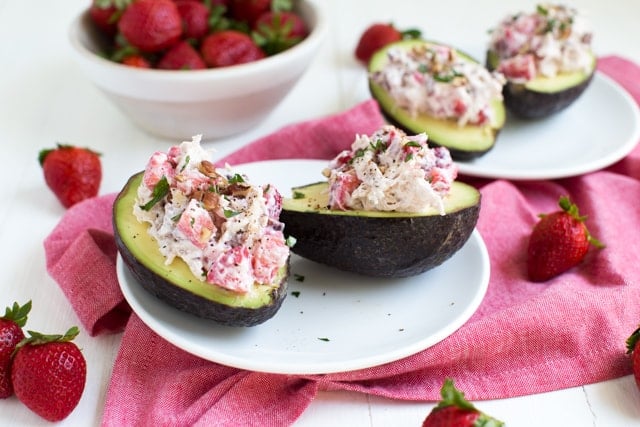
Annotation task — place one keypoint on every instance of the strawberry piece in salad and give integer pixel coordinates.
(554, 39)
(391, 171)
(224, 228)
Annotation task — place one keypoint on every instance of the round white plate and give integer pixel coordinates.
(600, 128)
(330, 321)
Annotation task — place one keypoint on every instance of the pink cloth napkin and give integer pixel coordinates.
(525, 337)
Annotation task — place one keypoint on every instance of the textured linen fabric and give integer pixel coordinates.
(524, 338)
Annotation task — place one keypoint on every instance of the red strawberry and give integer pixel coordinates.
(633, 348)
(559, 241)
(195, 18)
(72, 173)
(136, 61)
(49, 374)
(455, 411)
(248, 10)
(105, 14)
(10, 335)
(181, 57)
(278, 31)
(151, 25)
(377, 36)
(229, 47)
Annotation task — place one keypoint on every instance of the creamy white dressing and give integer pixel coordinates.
(224, 228)
(391, 171)
(554, 39)
(434, 80)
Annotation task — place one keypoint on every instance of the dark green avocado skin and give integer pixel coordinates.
(162, 285)
(191, 303)
(528, 104)
(394, 246)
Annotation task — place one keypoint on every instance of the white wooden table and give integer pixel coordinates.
(45, 99)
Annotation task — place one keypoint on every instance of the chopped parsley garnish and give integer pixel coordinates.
(236, 179)
(323, 339)
(359, 153)
(447, 77)
(299, 277)
(228, 213)
(298, 195)
(412, 144)
(379, 146)
(295, 293)
(186, 162)
(160, 190)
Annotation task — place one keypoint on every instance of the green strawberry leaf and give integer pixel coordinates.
(17, 313)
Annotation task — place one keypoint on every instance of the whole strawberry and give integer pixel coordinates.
(229, 47)
(48, 374)
(181, 56)
(377, 36)
(454, 410)
(633, 348)
(11, 334)
(72, 173)
(151, 25)
(248, 10)
(275, 32)
(558, 242)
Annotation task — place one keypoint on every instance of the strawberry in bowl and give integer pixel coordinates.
(175, 86)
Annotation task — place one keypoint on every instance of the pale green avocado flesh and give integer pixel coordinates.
(374, 243)
(543, 96)
(464, 142)
(176, 284)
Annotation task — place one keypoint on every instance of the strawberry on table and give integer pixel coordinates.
(377, 36)
(558, 242)
(72, 173)
(151, 25)
(48, 374)
(633, 348)
(229, 47)
(454, 410)
(11, 334)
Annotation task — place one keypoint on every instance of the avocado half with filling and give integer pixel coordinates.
(464, 142)
(375, 243)
(176, 285)
(543, 96)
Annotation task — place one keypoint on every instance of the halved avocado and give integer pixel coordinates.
(175, 283)
(375, 243)
(464, 142)
(543, 96)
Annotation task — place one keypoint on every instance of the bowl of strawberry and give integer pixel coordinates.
(177, 68)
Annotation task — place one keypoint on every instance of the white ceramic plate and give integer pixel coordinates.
(339, 321)
(599, 129)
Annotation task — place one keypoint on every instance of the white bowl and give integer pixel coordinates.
(213, 102)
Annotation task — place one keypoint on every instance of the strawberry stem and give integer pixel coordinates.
(572, 209)
(451, 396)
(37, 338)
(633, 339)
(17, 313)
